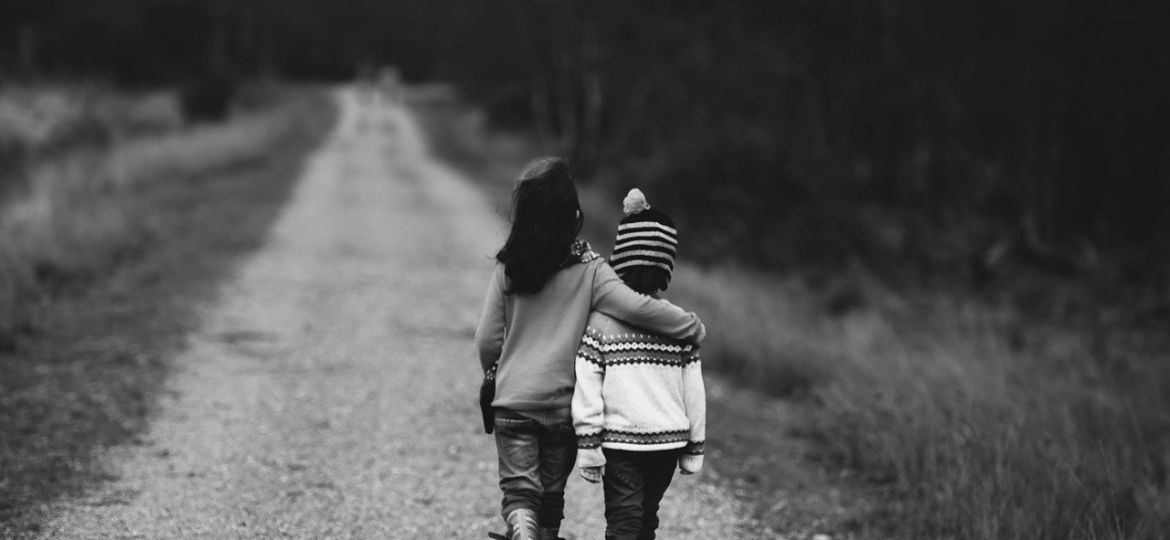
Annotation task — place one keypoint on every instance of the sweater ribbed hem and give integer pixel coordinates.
(643, 447)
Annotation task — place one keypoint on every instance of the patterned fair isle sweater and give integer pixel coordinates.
(637, 391)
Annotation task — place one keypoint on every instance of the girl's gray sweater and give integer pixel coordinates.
(535, 336)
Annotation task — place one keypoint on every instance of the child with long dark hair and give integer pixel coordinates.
(545, 284)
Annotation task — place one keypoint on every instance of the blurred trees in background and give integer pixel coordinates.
(768, 125)
(1042, 119)
(144, 42)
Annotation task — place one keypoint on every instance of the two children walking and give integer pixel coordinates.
(591, 368)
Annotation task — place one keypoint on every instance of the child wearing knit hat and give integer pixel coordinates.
(545, 285)
(639, 405)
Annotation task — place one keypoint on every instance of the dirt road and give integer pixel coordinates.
(330, 392)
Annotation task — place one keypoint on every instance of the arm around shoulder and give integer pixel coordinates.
(613, 297)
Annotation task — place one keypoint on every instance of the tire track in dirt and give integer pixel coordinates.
(330, 391)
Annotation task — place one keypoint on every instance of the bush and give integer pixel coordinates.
(738, 199)
(208, 98)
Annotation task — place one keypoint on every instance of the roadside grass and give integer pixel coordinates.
(39, 123)
(104, 264)
(960, 417)
(82, 212)
(963, 428)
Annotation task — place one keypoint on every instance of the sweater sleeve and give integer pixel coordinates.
(695, 400)
(588, 405)
(613, 297)
(489, 334)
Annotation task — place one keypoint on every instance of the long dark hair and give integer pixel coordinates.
(546, 218)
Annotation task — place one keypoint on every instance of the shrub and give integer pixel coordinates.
(208, 98)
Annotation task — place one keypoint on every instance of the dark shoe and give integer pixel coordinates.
(550, 534)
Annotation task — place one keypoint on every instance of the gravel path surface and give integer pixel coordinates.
(330, 392)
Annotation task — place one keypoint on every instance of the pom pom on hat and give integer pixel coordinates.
(634, 202)
(645, 237)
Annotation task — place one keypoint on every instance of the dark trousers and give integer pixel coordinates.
(634, 484)
(536, 453)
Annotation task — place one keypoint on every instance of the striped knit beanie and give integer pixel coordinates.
(646, 237)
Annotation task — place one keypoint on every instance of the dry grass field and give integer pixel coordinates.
(103, 264)
(968, 420)
(80, 208)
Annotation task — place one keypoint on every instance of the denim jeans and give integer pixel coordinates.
(537, 450)
(634, 483)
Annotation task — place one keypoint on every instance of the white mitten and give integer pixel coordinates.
(690, 463)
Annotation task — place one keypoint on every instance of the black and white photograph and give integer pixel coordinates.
(585, 270)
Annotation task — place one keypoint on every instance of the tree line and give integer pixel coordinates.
(1046, 116)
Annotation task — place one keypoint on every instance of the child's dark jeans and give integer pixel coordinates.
(536, 450)
(634, 484)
